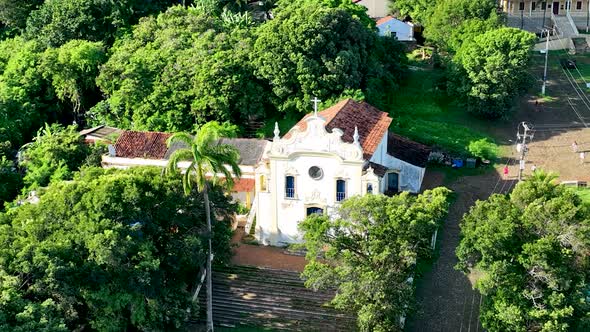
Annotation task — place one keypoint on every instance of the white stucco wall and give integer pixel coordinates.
(278, 216)
(376, 8)
(310, 192)
(410, 176)
(403, 31)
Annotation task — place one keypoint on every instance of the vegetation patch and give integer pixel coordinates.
(423, 111)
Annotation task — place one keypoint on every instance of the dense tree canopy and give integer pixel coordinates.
(111, 251)
(447, 17)
(417, 10)
(491, 70)
(14, 14)
(38, 86)
(56, 22)
(177, 70)
(54, 155)
(532, 249)
(369, 252)
(310, 50)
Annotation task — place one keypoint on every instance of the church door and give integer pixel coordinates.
(392, 183)
(313, 209)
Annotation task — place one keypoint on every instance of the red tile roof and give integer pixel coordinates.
(243, 185)
(138, 144)
(345, 115)
(384, 20)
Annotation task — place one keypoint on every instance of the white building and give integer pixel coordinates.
(390, 26)
(343, 151)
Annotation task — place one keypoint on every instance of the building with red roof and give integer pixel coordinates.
(328, 156)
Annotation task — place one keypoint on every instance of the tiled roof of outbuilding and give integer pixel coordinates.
(152, 145)
(407, 150)
(140, 144)
(345, 115)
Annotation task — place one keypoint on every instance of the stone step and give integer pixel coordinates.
(274, 294)
(251, 296)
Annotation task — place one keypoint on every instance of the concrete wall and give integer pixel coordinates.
(376, 8)
(403, 31)
(410, 176)
(556, 44)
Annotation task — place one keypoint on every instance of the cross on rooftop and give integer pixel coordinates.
(315, 101)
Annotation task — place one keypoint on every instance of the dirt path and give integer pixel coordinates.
(446, 299)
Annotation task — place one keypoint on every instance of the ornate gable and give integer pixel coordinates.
(316, 139)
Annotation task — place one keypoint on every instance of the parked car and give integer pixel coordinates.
(567, 63)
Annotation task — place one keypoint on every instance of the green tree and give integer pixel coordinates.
(14, 14)
(10, 180)
(112, 250)
(38, 85)
(310, 49)
(177, 70)
(56, 22)
(369, 251)
(532, 250)
(448, 16)
(489, 71)
(72, 70)
(417, 10)
(207, 157)
(54, 155)
(25, 103)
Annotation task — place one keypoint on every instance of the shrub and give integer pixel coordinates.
(483, 149)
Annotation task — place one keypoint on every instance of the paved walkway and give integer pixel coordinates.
(264, 256)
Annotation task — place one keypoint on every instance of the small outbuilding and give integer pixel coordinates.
(391, 26)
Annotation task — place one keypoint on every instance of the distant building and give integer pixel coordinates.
(533, 7)
(103, 134)
(390, 26)
(375, 8)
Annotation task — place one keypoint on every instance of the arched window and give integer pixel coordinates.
(262, 183)
(369, 188)
(290, 186)
(340, 190)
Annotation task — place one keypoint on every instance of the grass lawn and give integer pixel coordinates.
(425, 113)
(584, 194)
(582, 62)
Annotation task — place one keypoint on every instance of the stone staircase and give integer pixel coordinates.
(564, 26)
(271, 299)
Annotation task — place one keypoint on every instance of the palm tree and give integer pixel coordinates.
(208, 160)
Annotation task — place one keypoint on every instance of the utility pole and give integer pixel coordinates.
(521, 139)
(546, 58)
(522, 19)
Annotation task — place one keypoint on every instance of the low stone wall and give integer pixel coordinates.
(555, 44)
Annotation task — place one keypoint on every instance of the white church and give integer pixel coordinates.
(340, 152)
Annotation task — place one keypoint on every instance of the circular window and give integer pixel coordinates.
(315, 172)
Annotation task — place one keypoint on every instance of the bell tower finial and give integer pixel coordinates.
(355, 137)
(315, 101)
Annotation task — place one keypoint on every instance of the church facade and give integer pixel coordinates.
(343, 151)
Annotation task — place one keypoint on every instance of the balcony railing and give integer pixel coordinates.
(290, 193)
(340, 196)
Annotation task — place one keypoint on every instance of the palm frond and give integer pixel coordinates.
(180, 138)
(176, 157)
